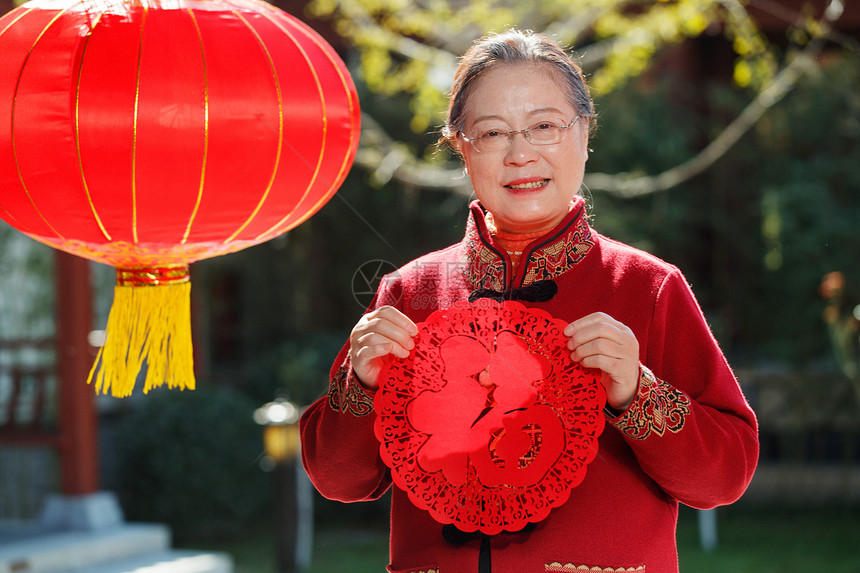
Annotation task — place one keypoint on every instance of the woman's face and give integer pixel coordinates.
(526, 187)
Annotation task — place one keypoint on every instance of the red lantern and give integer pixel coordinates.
(148, 134)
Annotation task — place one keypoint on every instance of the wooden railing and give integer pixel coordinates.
(30, 443)
(28, 393)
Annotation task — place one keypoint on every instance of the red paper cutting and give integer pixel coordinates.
(488, 424)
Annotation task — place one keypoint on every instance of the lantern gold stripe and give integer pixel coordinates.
(205, 129)
(346, 158)
(325, 126)
(280, 128)
(78, 130)
(134, 143)
(12, 122)
(24, 12)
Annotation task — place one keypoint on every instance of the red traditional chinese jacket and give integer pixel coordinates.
(688, 437)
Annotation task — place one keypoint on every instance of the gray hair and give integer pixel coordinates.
(513, 47)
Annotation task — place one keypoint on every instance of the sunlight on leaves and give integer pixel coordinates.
(405, 46)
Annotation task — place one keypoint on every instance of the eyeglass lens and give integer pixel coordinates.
(542, 133)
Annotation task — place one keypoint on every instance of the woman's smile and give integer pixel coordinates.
(527, 184)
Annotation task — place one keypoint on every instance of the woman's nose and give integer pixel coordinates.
(520, 150)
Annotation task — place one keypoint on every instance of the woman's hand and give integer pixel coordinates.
(379, 333)
(600, 341)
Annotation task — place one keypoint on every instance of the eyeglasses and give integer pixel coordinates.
(544, 132)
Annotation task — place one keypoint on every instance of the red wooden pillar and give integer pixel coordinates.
(79, 465)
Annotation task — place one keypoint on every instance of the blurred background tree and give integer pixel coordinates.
(699, 158)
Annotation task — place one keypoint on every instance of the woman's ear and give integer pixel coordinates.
(456, 145)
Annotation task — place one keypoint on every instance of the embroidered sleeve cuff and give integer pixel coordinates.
(657, 407)
(346, 394)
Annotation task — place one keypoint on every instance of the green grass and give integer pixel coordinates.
(774, 541)
(335, 551)
(749, 540)
(356, 552)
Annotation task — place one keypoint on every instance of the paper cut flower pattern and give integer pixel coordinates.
(488, 424)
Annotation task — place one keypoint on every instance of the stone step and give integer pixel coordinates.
(175, 561)
(82, 550)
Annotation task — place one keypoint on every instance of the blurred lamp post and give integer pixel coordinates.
(708, 529)
(293, 498)
(842, 316)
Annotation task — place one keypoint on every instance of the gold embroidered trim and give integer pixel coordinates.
(557, 257)
(345, 393)
(570, 567)
(486, 268)
(658, 407)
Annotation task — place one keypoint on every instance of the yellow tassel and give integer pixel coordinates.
(149, 324)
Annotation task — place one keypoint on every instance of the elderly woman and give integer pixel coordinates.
(678, 427)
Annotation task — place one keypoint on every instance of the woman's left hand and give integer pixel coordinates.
(599, 341)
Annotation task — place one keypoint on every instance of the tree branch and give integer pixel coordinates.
(387, 160)
(627, 187)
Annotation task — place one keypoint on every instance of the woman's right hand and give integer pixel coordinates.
(379, 333)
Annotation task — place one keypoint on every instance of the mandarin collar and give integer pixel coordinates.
(556, 252)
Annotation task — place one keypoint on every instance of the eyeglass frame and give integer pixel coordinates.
(510, 135)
